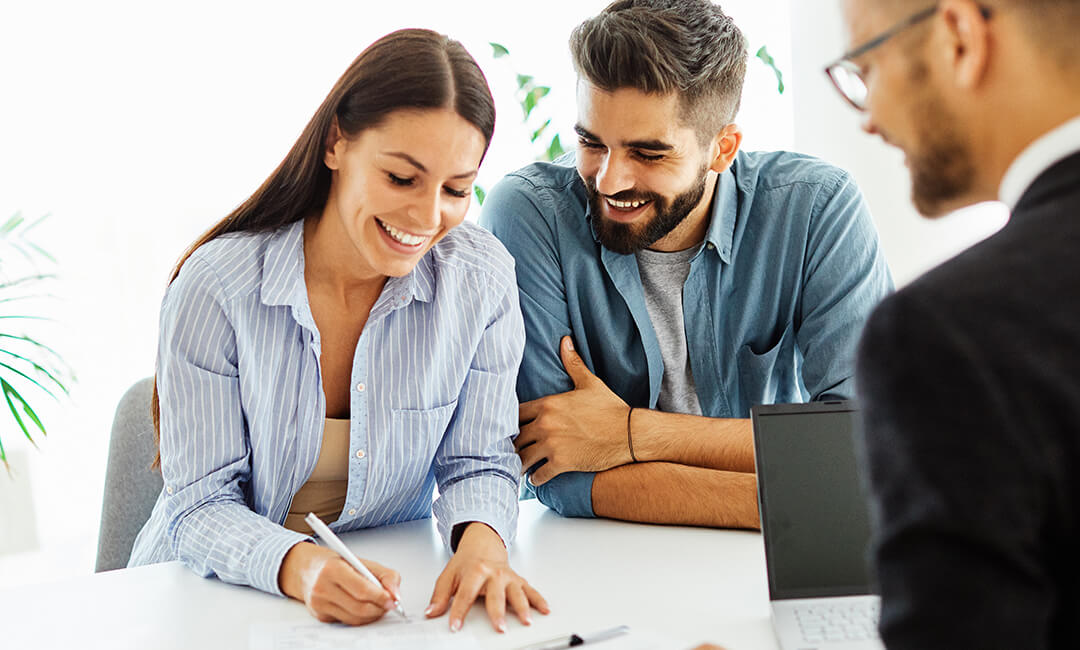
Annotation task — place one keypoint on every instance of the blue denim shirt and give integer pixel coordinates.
(773, 305)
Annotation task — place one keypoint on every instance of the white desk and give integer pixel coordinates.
(680, 585)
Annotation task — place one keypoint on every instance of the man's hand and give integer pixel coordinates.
(583, 430)
(480, 568)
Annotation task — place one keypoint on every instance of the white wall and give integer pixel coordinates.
(826, 126)
(139, 124)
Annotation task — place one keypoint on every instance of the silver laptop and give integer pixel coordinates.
(815, 522)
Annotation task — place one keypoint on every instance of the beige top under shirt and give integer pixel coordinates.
(324, 492)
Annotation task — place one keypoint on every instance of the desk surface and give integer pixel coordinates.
(675, 586)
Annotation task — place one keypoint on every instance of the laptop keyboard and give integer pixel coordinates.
(838, 622)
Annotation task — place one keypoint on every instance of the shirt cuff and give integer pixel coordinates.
(569, 494)
(266, 559)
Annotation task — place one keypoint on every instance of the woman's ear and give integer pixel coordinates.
(724, 147)
(334, 146)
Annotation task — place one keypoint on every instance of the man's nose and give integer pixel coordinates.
(614, 175)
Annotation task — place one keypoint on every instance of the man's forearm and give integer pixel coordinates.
(667, 493)
(714, 443)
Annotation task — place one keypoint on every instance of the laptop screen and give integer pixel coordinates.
(814, 514)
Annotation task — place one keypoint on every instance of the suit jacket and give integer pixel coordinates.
(970, 384)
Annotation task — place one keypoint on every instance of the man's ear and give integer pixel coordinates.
(966, 43)
(724, 148)
(333, 148)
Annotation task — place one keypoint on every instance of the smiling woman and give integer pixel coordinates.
(343, 318)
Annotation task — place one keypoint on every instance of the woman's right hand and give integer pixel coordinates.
(334, 591)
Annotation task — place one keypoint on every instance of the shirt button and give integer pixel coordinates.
(404, 298)
(710, 246)
(169, 489)
(352, 512)
(360, 387)
(359, 453)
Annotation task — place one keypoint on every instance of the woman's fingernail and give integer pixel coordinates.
(528, 620)
(430, 608)
(388, 605)
(455, 626)
(501, 627)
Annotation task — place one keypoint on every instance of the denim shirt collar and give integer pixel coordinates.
(283, 274)
(725, 204)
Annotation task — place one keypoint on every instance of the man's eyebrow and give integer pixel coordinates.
(416, 163)
(648, 145)
(583, 132)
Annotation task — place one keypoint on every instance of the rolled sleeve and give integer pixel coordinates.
(512, 213)
(476, 465)
(205, 455)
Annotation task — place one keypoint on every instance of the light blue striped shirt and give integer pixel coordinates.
(242, 404)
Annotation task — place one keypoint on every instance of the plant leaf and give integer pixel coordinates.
(528, 104)
(33, 342)
(537, 133)
(480, 194)
(555, 149)
(767, 59)
(9, 392)
(3, 458)
(524, 80)
(498, 51)
(40, 369)
(11, 224)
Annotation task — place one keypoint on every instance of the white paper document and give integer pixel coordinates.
(391, 632)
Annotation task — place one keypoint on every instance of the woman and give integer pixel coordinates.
(340, 343)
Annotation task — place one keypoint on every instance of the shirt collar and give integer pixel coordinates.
(283, 267)
(283, 272)
(1039, 156)
(721, 230)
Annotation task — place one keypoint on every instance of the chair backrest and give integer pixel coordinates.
(131, 487)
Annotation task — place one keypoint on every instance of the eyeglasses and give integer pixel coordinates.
(846, 75)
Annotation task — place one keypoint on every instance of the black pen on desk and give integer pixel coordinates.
(574, 640)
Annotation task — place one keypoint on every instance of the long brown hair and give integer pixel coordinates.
(406, 69)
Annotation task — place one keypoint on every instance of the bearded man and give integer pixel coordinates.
(969, 377)
(670, 281)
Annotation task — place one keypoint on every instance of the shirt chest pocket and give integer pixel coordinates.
(769, 377)
(416, 435)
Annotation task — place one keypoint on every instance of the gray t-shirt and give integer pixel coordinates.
(662, 277)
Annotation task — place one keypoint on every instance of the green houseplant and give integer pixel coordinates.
(29, 369)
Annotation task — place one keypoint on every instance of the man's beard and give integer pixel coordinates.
(943, 171)
(628, 238)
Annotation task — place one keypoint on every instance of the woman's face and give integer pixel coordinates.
(398, 188)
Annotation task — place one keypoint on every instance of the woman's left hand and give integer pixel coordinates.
(480, 568)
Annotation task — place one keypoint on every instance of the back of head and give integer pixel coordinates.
(689, 47)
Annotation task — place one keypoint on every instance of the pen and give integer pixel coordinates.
(575, 640)
(335, 543)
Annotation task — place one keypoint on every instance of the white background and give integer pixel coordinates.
(137, 125)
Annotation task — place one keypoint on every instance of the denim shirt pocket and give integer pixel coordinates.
(417, 433)
(769, 377)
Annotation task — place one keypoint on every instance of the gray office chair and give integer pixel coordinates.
(131, 487)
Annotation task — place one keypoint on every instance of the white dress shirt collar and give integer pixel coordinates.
(1039, 156)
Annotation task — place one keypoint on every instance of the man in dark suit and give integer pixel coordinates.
(970, 376)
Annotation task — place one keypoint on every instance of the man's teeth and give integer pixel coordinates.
(403, 237)
(625, 205)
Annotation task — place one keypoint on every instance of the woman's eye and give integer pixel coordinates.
(456, 193)
(398, 180)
